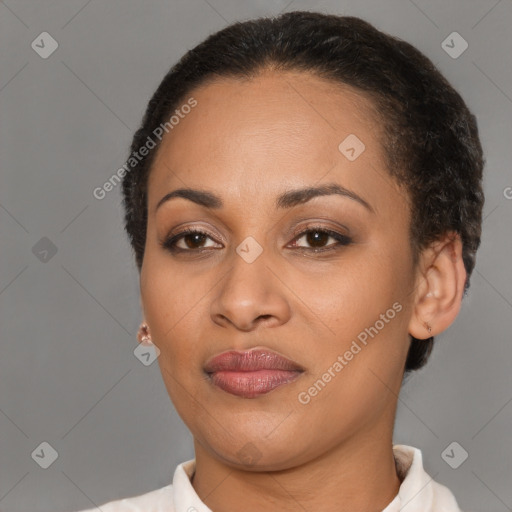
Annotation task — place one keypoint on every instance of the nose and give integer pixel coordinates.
(250, 294)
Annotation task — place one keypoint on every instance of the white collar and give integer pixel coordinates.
(418, 491)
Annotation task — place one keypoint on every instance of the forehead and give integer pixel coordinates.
(259, 136)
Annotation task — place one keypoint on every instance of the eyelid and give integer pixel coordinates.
(296, 230)
(179, 230)
(320, 225)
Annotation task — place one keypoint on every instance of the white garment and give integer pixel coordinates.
(418, 491)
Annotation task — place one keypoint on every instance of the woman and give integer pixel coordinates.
(304, 202)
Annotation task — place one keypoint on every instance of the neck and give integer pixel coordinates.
(358, 475)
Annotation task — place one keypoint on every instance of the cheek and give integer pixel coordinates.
(172, 306)
(352, 293)
(360, 310)
(366, 354)
(170, 293)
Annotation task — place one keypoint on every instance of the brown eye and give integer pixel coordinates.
(191, 240)
(317, 239)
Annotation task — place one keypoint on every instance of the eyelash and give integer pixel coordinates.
(341, 240)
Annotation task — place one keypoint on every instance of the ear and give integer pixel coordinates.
(439, 287)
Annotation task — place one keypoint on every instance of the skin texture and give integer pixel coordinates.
(248, 141)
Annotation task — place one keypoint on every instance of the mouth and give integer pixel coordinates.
(251, 373)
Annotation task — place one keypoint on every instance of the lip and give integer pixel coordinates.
(252, 373)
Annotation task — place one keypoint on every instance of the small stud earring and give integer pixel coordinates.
(427, 326)
(143, 335)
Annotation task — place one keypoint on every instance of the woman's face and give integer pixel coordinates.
(337, 304)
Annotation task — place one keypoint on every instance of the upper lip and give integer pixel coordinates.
(250, 361)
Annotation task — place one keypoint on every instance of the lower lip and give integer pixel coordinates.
(252, 384)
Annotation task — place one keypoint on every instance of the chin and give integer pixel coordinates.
(252, 449)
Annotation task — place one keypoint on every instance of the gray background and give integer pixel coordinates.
(68, 375)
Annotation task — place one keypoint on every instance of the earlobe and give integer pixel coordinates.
(143, 334)
(440, 287)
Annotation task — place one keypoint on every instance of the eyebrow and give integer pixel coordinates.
(288, 199)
